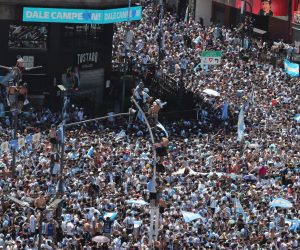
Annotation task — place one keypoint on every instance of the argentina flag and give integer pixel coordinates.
(291, 68)
(241, 125)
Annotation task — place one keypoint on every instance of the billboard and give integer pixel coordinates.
(83, 16)
(261, 7)
(265, 7)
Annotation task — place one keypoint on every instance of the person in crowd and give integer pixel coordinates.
(229, 185)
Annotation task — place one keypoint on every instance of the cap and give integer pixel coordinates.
(269, 1)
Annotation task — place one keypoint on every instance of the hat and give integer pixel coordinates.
(161, 105)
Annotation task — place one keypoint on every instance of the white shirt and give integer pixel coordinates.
(56, 168)
(69, 228)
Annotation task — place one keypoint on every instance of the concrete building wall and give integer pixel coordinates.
(203, 9)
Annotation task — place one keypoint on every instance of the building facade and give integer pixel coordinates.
(57, 47)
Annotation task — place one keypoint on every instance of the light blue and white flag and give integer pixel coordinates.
(197, 40)
(294, 224)
(110, 215)
(159, 125)
(279, 202)
(186, 17)
(239, 209)
(137, 223)
(90, 152)
(120, 135)
(241, 125)
(137, 202)
(297, 117)
(188, 216)
(291, 68)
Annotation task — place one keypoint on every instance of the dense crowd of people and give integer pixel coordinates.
(227, 184)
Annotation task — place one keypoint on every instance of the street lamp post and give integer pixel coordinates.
(160, 45)
(125, 60)
(154, 208)
(14, 153)
(62, 146)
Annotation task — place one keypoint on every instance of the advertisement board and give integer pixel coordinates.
(84, 16)
(260, 7)
(265, 7)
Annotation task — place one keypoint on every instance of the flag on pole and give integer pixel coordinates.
(159, 125)
(241, 125)
(239, 209)
(120, 135)
(186, 14)
(252, 97)
(225, 111)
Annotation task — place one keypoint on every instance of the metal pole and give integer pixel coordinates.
(40, 231)
(64, 110)
(61, 186)
(125, 62)
(154, 210)
(95, 119)
(160, 30)
(15, 124)
(62, 148)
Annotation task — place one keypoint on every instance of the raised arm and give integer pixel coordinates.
(5, 67)
(32, 68)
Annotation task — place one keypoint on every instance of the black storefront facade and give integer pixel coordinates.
(57, 47)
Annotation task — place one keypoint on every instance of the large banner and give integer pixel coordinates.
(19, 143)
(84, 16)
(261, 7)
(266, 7)
(291, 68)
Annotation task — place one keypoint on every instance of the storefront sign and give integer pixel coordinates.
(53, 15)
(89, 57)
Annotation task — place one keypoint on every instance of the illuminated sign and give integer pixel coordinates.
(53, 15)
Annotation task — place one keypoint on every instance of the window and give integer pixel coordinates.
(83, 36)
(28, 36)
